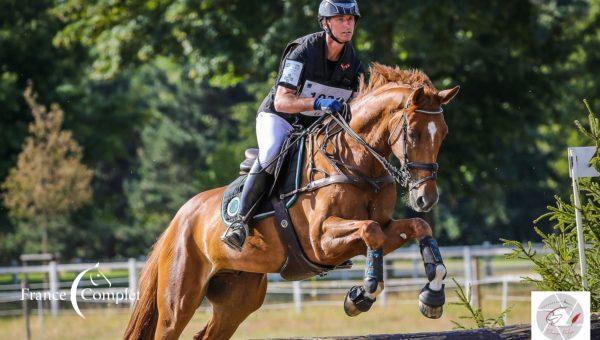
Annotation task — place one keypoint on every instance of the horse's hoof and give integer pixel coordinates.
(356, 302)
(431, 312)
(431, 302)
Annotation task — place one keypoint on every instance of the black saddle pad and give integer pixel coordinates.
(289, 179)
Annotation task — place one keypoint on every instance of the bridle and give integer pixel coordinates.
(402, 176)
(408, 165)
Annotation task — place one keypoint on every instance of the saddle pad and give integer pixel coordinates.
(290, 179)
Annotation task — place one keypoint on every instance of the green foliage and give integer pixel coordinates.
(475, 315)
(559, 268)
(179, 82)
(188, 146)
(214, 40)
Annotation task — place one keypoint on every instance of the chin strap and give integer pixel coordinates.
(328, 31)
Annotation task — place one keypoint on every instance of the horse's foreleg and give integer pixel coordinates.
(432, 298)
(339, 236)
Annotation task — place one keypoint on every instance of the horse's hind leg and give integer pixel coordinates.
(183, 276)
(234, 296)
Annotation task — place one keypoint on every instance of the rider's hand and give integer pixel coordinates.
(328, 105)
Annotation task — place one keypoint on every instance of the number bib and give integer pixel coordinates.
(313, 89)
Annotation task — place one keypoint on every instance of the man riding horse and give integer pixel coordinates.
(397, 113)
(318, 73)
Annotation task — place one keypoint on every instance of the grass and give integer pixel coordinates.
(400, 315)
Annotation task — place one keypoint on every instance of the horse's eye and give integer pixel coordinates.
(413, 136)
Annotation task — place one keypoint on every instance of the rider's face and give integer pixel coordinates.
(342, 27)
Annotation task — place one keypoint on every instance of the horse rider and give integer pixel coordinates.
(318, 73)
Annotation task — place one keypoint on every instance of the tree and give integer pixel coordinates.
(49, 180)
(505, 54)
(189, 145)
(521, 65)
(559, 268)
(213, 39)
(104, 116)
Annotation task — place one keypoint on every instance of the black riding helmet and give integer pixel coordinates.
(331, 8)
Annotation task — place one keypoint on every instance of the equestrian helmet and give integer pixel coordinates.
(331, 8)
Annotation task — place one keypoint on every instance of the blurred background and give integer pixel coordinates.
(156, 100)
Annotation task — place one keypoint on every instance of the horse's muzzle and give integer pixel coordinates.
(422, 202)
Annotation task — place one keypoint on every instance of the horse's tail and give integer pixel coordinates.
(142, 323)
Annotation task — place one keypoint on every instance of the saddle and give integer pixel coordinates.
(287, 174)
(283, 193)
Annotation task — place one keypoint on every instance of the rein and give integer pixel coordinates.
(400, 175)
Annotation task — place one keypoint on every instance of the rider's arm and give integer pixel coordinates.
(290, 81)
(287, 101)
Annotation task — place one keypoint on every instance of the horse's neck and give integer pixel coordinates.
(372, 128)
(370, 117)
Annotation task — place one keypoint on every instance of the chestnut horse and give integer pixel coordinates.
(397, 112)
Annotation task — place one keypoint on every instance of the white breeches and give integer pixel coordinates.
(271, 132)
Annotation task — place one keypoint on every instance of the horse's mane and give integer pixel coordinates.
(381, 75)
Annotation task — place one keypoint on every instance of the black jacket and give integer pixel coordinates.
(304, 68)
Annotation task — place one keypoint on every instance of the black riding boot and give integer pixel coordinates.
(253, 190)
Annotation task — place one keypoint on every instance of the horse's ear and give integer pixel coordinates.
(447, 95)
(416, 96)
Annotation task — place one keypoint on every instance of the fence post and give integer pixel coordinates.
(468, 268)
(382, 297)
(477, 296)
(24, 286)
(132, 281)
(297, 296)
(415, 261)
(40, 316)
(488, 259)
(504, 297)
(53, 273)
(15, 277)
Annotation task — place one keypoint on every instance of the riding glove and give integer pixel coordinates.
(328, 105)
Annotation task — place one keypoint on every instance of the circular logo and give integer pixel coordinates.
(560, 316)
(233, 206)
(284, 224)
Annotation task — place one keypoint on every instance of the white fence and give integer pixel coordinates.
(336, 282)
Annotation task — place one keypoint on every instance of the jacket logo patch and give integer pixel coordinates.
(291, 72)
(345, 66)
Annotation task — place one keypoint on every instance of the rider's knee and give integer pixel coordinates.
(267, 153)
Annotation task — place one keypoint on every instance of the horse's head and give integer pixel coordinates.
(400, 111)
(416, 131)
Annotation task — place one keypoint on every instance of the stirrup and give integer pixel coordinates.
(229, 236)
